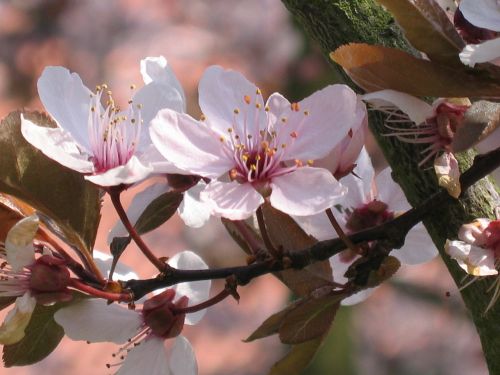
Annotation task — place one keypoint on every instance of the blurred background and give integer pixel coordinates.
(410, 326)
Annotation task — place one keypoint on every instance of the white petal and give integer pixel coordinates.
(57, 144)
(232, 200)
(331, 113)
(457, 250)
(19, 243)
(306, 191)
(132, 172)
(359, 186)
(95, 321)
(148, 358)
(317, 225)
(191, 145)
(66, 98)
(104, 261)
(182, 358)
(417, 110)
(482, 13)
(137, 206)
(221, 92)
(192, 210)
(480, 53)
(357, 297)
(418, 247)
(196, 291)
(154, 97)
(152, 157)
(389, 192)
(16, 321)
(448, 173)
(156, 69)
(481, 262)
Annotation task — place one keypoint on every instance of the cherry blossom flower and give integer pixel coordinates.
(483, 14)
(434, 124)
(478, 251)
(31, 280)
(109, 145)
(253, 150)
(370, 200)
(143, 332)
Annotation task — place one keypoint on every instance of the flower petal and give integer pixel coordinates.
(196, 291)
(319, 122)
(480, 53)
(192, 210)
(361, 185)
(448, 173)
(57, 144)
(232, 200)
(19, 243)
(132, 172)
(149, 357)
(122, 271)
(306, 191)
(137, 206)
(418, 247)
(482, 13)
(157, 69)
(16, 321)
(221, 92)
(481, 262)
(417, 110)
(389, 192)
(317, 225)
(152, 157)
(189, 144)
(182, 358)
(66, 98)
(95, 321)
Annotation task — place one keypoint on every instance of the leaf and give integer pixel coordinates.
(272, 324)
(309, 320)
(158, 211)
(58, 192)
(6, 302)
(427, 28)
(480, 120)
(236, 235)
(377, 68)
(42, 335)
(118, 245)
(286, 233)
(297, 359)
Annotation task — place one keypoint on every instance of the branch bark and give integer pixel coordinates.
(333, 23)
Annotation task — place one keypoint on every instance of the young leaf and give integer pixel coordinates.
(158, 211)
(287, 234)
(62, 194)
(427, 28)
(309, 320)
(377, 68)
(297, 359)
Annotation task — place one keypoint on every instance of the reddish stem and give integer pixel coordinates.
(115, 198)
(119, 297)
(340, 232)
(210, 302)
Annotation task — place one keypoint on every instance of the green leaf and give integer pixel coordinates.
(309, 320)
(377, 68)
(42, 335)
(158, 211)
(58, 192)
(297, 359)
(427, 28)
(287, 234)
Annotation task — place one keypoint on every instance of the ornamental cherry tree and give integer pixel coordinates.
(291, 181)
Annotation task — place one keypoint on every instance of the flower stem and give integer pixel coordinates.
(115, 198)
(210, 302)
(119, 297)
(340, 231)
(263, 232)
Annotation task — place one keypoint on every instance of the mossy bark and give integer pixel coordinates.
(336, 22)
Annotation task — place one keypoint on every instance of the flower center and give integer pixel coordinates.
(367, 216)
(257, 146)
(158, 313)
(113, 134)
(492, 233)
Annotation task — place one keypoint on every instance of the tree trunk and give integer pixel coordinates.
(333, 23)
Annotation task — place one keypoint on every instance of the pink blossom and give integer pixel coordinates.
(254, 150)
